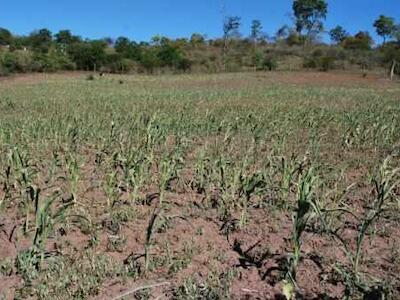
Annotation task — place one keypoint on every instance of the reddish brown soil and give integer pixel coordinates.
(255, 252)
(235, 80)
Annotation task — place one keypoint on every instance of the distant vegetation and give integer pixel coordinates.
(292, 47)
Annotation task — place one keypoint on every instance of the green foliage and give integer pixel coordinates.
(256, 30)
(324, 62)
(306, 207)
(361, 41)
(5, 37)
(127, 48)
(89, 55)
(338, 34)
(385, 27)
(40, 40)
(391, 54)
(65, 37)
(269, 63)
(309, 15)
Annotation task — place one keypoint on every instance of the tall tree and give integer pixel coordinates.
(41, 40)
(255, 36)
(256, 31)
(127, 48)
(309, 15)
(385, 27)
(338, 34)
(5, 37)
(230, 28)
(64, 38)
(122, 44)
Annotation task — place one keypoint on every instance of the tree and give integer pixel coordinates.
(396, 33)
(128, 49)
(361, 41)
(41, 40)
(230, 28)
(391, 56)
(338, 34)
(309, 15)
(5, 37)
(197, 39)
(122, 44)
(65, 37)
(88, 55)
(385, 27)
(282, 32)
(256, 31)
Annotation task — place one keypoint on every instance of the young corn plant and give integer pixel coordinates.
(170, 167)
(151, 227)
(46, 218)
(384, 183)
(250, 184)
(153, 135)
(73, 175)
(202, 173)
(24, 174)
(45, 221)
(6, 185)
(306, 206)
(137, 176)
(289, 168)
(110, 189)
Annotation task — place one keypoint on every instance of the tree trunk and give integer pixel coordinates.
(392, 69)
(224, 50)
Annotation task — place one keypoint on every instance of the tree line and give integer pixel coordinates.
(298, 45)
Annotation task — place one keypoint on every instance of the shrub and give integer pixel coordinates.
(270, 63)
(323, 63)
(327, 63)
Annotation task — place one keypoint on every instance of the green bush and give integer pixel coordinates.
(327, 63)
(321, 63)
(270, 63)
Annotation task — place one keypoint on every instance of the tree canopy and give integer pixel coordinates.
(385, 27)
(309, 15)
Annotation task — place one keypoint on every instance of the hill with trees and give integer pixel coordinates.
(291, 48)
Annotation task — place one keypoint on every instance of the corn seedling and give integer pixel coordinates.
(31, 261)
(169, 170)
(110, 189)
(24, 175)
(202, 173)
(384, 184)
(151, 227)
(304, 211)
(289, 168)
(73, 174)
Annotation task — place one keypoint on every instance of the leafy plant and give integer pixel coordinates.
(306, 206)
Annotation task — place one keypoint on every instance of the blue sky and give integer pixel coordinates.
(140, 20)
